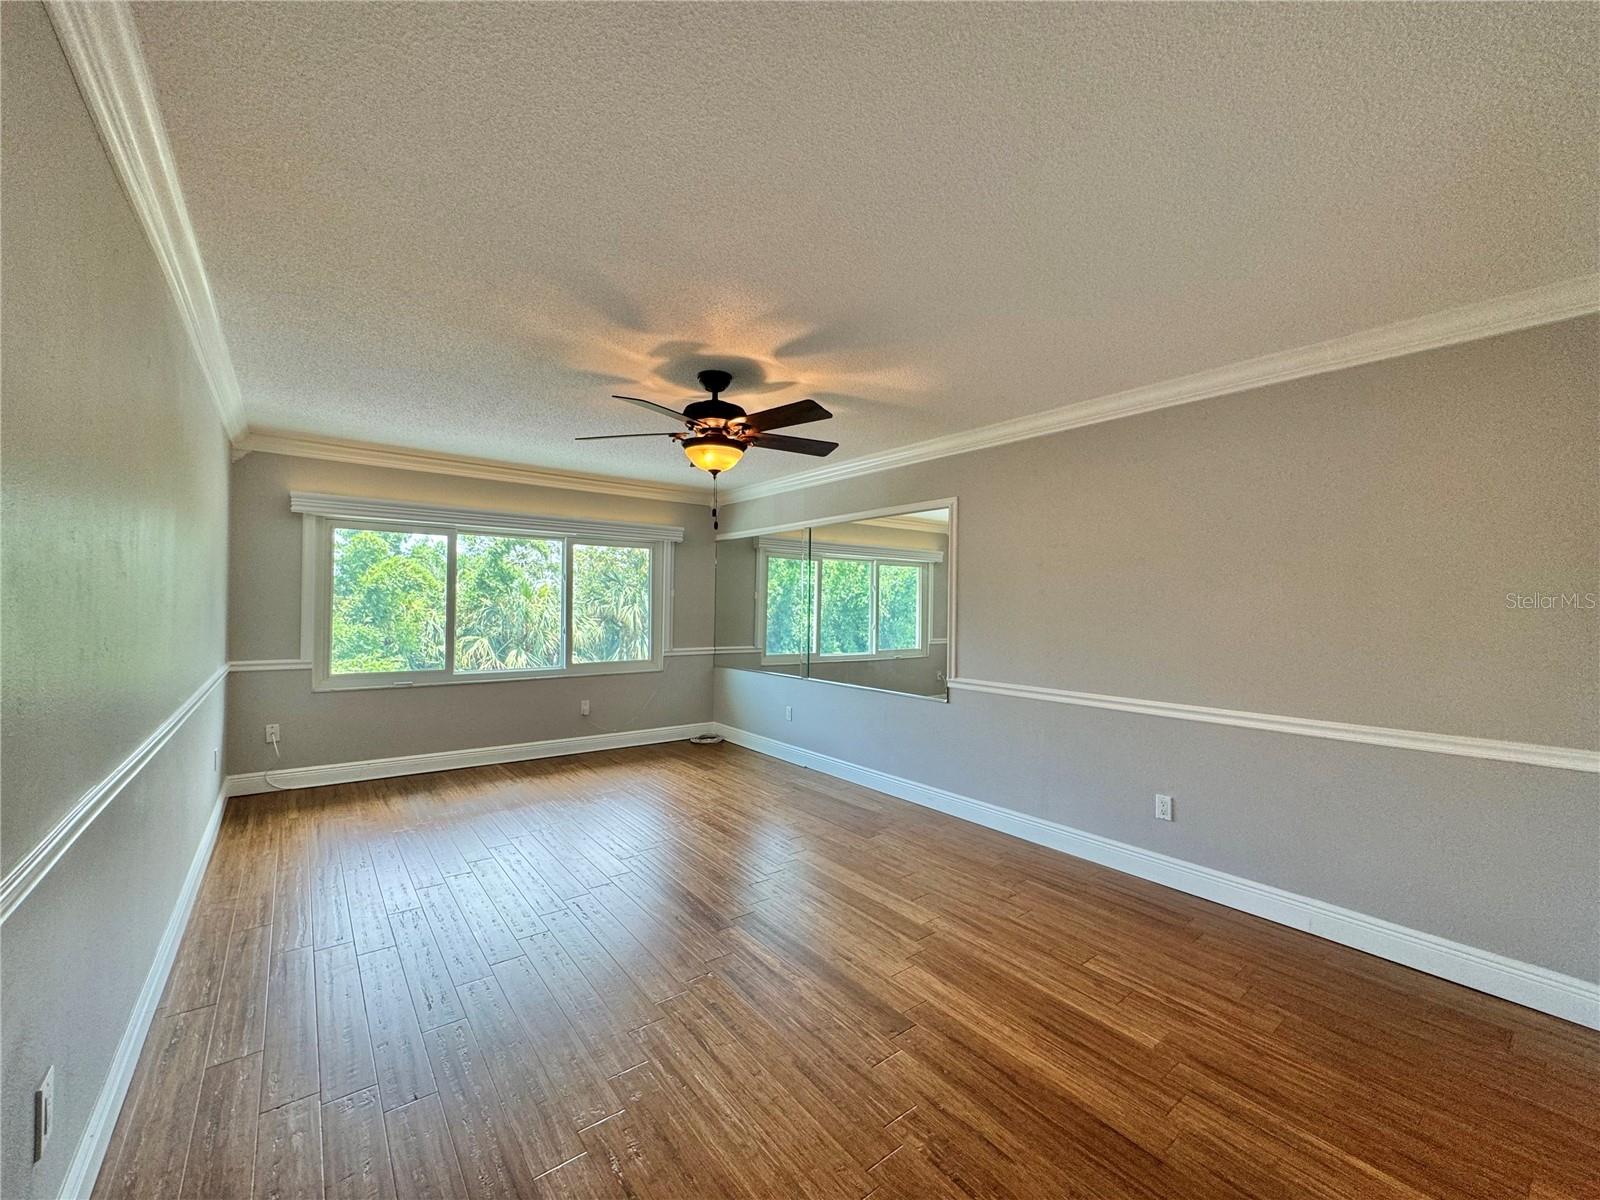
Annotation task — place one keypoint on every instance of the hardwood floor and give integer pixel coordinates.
(697, 972)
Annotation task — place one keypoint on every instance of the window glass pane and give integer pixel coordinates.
(610, 603)
(899, 588)
(788, 605)
(388, 601)
(508, 603)
(843, 624)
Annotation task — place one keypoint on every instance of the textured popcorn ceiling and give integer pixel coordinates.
(459, 227)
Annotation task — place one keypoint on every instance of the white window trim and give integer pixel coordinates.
(474, 520)
(322, 513)
(795, 548)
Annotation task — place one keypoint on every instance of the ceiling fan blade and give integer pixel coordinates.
(602, 437)
(777, 441)
(651, 404)
(785, 415)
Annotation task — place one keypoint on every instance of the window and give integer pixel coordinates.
(508, 603)
(899, 606)
(842, 603)
(610, 604)
(844, 615)
(434, 600)
(389, 611)
(787, 606)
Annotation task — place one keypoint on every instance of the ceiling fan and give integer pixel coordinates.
(718, 433)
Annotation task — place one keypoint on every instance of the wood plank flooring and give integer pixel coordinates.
(696, 972)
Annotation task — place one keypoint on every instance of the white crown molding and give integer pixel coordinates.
(360, 508)
(36, 864)
(90, 1155)
(291, 778)
(1504, 314)
(102, 46)
(369, 455)
(1562, 758)
(1536, 987)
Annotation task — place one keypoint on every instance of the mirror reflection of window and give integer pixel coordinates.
(844, 607)
(788, 606)
(860, 602)
(899, 592)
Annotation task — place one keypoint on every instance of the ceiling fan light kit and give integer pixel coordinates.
(718, 433)
(712, 452)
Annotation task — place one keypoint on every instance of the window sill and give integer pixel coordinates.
(349, 683)
(793, 660)
(883, 656)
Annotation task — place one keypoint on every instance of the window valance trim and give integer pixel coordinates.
(797, 546)
(404, 512)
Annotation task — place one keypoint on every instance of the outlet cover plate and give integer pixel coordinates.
(44, 1109)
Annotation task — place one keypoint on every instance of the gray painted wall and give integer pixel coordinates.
(1337, 547)
(114, 589)
(333, 727)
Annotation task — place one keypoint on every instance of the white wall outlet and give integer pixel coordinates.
(1163, 807)
(583, 708)
(273, 735)
(44, 1112)
(788, 712)
(216, 758)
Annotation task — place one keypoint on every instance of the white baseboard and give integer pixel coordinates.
(1522, 983)
(91, 1151)
(292, 778)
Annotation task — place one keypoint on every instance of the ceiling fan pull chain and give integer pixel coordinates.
(714, 525)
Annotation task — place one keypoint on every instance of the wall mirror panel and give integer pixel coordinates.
(863, 601)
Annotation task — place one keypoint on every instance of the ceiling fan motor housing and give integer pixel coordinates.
(712, 410)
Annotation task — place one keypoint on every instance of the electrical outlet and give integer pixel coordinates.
(583, 708)
(272, 735)
(44, 1110)
(788, 712)
(1163, 807)
(216, 758)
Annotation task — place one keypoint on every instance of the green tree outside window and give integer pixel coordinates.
(388, 601)
(788, 605)
(899, 591)
(508, 603)
(610, 604)
(844, 622)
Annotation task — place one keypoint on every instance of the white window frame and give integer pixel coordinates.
(818, 552)
(763, 553)
(322, 514)
(921, 649)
